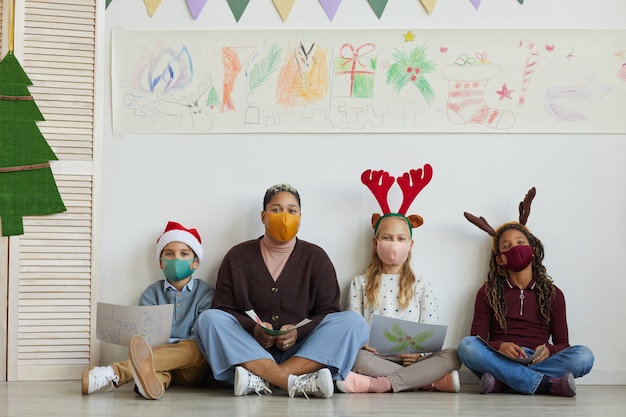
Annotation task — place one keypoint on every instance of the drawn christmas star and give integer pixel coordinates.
(409, 36)
(505, 92)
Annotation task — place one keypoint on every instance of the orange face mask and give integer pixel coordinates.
(282, 226)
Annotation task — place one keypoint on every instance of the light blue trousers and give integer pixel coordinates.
(334, 343)
(480, 358)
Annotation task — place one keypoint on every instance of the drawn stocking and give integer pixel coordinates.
(466, 98)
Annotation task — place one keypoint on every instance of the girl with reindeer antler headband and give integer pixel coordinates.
(517, 312)
(391, 288)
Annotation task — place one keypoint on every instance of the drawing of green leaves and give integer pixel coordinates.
(262, 70)
(397, 336)
(417, 340)
(403, 341)
(396, 333)
(410, 68)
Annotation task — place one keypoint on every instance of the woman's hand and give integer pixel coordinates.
(264, 338)
(287, 340)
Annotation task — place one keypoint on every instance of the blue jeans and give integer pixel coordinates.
(480, 358)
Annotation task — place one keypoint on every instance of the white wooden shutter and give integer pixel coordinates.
(4, 260)
(51, 265)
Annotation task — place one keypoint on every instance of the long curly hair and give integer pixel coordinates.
(496, 279)
(373, 278)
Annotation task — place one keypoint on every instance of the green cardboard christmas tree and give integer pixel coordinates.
(27, 186)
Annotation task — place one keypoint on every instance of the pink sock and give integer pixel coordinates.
(379, 384)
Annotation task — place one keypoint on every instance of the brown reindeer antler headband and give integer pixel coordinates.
(524, 211)
(411, 183)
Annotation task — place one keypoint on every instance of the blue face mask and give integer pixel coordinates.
(177, 269)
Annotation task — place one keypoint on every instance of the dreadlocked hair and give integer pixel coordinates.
(373, 278)
(496, 279)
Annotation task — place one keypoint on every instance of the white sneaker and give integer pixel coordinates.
(98, 378)
(316, 384)
(247, 382)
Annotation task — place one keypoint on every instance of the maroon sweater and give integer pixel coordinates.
(525, 326)
(306, 288)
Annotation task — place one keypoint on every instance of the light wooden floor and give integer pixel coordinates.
(45, 399)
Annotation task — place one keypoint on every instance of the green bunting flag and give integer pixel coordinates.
(378, 6)
(238, 7)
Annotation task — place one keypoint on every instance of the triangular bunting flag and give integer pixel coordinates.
(195, 7)
(152, 6)
(330, 7)
(475, 3)
(238, 7)
(107, 3)
(378, 6)
(521, 1)
(429, 5)
(284, 7)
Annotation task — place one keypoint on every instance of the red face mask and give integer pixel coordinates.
(518, 257)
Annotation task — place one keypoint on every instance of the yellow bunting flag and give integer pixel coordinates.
(152, 6)
(429, 5)
(284, 7)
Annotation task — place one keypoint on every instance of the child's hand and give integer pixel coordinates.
(543, 355)
(370, 349)
(410, 358)
(512, 350)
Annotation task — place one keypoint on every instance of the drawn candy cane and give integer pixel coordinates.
(529, 68)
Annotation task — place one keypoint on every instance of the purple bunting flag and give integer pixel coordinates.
(330, 7)
(195, 7)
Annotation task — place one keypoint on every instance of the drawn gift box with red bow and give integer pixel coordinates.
(354, 71)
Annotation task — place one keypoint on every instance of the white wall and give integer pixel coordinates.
(216, 182)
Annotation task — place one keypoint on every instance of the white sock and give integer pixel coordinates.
(291, 381)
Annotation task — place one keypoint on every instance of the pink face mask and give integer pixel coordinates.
(518, 257)
(393, 253)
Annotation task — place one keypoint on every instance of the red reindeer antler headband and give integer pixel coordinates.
(524, 212)
(411, 183)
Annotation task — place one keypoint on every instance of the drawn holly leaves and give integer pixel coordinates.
(403, 341)
(410, 68)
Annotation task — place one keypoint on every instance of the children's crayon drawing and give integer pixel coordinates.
(506, 81)
(118, 324)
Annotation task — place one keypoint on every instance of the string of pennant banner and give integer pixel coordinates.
(283, 7)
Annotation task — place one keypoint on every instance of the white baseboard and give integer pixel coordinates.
(598, 377)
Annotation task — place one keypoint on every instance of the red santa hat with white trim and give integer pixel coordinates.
(176, 232)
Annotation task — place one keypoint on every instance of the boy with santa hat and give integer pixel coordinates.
(179, 253)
